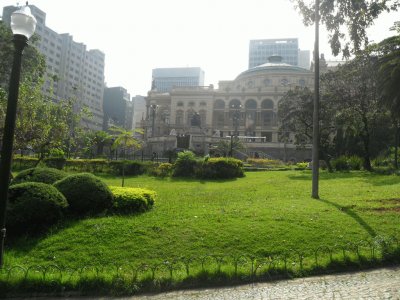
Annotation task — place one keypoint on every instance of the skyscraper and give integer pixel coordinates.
(288, 49)
(165, 79)
(72, 70)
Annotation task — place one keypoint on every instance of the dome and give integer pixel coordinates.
(274, 65)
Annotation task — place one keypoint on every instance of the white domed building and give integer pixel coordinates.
(197, 118)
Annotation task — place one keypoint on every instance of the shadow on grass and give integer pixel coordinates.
(324, 175)
(348, 211)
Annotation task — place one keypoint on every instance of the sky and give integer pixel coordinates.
(140, 35)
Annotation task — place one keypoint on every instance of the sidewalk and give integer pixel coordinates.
(376, 284)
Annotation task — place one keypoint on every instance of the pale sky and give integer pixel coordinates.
(138, 36)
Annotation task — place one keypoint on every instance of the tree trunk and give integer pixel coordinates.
(396, 147)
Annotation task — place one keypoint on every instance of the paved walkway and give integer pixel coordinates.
(375, 284)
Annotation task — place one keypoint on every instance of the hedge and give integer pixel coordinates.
(44, 175)
(128, 200)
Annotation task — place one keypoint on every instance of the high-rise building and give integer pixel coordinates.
(118, 108)
(139, 104)
(72, 70)
(165, 79)
(288, 49)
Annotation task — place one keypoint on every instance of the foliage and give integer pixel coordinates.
(296, 115)
(85, 193)
(128, 200)
(55, 162)
(356, 16)
(33, 207)
(163, 170)
(185, 164)
(129, 167)
(355, 162)
(225, 147)
(23, 162)
(341, 163)
(363, 123)
(44, 175)
(220, 168)
(265, 162)
(33, 63)
(302, 165)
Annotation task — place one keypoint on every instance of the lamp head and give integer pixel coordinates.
(23, 22)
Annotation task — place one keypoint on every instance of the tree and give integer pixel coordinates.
(228, 147)
(353, 87)
(33, 63)
(388, 53)
(101, 138)
(356, 15)
(124, 140)
(295, 114)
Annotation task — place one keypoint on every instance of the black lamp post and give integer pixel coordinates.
(23, 25)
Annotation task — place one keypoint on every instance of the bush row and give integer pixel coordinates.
(187, 165)
(39, 198)
(85, 165)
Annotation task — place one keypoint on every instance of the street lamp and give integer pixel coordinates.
(23, 25)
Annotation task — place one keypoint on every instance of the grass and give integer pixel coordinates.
(262, 214)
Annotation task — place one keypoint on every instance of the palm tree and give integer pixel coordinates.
(124, 139)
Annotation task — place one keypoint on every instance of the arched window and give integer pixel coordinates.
(234, 104)
(267, 104)
(203, 115)
(251, 104)
(179, 117)
(219, 104)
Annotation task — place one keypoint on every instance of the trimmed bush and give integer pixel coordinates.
(132, 167)
(185, 164)
(44, 175)
(85, 193)
(129, 200)
(221, 168)
(33, 207)
(163, 170)
(55, 162)
(24, 162)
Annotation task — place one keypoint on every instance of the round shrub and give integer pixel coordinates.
(221, 168)
(185, 164)
(129, 200)
(33, 207)
(86, 194)
(44, 175)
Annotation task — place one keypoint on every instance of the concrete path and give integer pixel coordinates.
(375, 284)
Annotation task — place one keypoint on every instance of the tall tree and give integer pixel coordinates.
(354, 88)
(355, 15)
(295, 114)
(33, 63)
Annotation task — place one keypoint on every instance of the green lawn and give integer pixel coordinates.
(264, 212)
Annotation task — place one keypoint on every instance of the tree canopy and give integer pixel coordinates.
(346, 20)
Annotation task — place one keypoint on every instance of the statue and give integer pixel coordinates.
(196, 120)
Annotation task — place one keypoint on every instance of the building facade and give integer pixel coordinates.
(288, 49)
(73, 71)
(165, 79)
(245, 107)
(118, 108)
